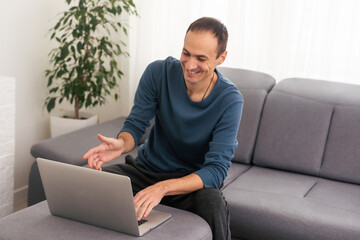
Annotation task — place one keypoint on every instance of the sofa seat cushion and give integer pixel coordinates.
(36, 223)
(235, 170)
(273, 204)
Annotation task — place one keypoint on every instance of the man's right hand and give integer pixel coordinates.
(110, 149)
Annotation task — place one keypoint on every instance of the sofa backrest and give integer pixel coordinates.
(312, 127)
(254, 87)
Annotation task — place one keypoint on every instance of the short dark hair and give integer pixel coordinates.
(216, 27)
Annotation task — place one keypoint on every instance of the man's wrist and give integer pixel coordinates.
(127, 141)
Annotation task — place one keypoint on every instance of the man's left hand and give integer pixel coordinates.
(147, 199)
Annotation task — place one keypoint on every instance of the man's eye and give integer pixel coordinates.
(202, 59)
(186, 53)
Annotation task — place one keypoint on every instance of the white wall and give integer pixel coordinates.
(7, 144)
(24, 48)
(284, 38)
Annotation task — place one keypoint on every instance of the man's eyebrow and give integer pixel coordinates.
(199, 56)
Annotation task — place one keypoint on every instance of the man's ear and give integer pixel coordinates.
(221, 58)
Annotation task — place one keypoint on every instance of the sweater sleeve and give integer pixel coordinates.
(145, 103)
(222, 147)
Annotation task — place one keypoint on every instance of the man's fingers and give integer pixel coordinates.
(149, 209)
(91, 161)
(145, 209)
(143, 204)
(98, 165)
(93, 156)
(138, 201)
(88, 154)
(104, 139)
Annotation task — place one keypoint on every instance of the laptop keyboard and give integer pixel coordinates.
(141, 222)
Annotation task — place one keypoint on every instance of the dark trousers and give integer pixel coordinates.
(208, 203)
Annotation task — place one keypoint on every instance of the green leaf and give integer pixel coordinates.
(50, 80)
(79, 46)
(118, 10)
(53, 90)
(64, 52)
(51, 104)
(57, 25)
(93, 50)
(60, 73)
(88, 101)
(125, 31)
(107, 51)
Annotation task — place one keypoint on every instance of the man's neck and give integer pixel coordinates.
(199, 91)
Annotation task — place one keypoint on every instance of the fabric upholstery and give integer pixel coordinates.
(36, 223)
(311, 126)
(253, 105)
(254, 87)
(342, 155)
(235, 170)
(293, 133)
(247, 79)
(61, 148)
(334, 93)
(272, 204)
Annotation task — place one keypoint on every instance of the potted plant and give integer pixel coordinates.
(84, 65)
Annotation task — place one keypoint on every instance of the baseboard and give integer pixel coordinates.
(20, 197)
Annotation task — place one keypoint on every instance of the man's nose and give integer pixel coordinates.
(191, 64)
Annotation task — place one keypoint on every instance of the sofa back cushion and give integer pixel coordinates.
(313, 127)
(254, 87)
(342, 154)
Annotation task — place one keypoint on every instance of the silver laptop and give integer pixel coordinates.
(94, 197)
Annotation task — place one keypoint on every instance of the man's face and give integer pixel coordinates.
(198, 57)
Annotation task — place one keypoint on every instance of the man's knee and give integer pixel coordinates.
(210, 198)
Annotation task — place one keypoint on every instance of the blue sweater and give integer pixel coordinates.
(187, 135)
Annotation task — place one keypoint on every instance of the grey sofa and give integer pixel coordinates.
(296, 171)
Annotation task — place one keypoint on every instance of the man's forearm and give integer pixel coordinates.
(184, 185)
(128, 140)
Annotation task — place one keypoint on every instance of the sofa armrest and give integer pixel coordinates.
(70, 147)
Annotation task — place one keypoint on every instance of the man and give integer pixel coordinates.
(189, 149)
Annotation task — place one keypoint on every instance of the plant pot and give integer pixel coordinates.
(62, 125)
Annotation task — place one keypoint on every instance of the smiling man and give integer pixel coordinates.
(189, 149)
